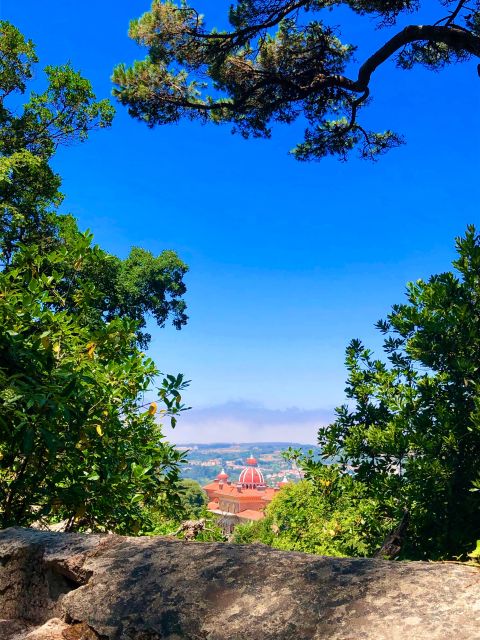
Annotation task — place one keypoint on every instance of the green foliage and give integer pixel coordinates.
(18, 56)
(279, 61)
(475, 554)
(62, 114)
(409, 437)
(160, 526)
(140, 286)
(193, 498)
(75, 441)
(331, 516)
(410, 432)
(137, 287)
(191, 505)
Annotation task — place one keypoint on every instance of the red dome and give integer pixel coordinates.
(222, 475)
(251, 478)
(251, 461)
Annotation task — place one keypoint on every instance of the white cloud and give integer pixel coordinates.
(243, 421)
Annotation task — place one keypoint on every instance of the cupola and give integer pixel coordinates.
(251, 477)
(222, 476)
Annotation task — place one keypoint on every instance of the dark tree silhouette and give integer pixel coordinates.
(279, 61)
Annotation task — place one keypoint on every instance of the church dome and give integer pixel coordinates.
(251, 477)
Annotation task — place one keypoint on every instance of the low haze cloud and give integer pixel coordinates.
(243, 421)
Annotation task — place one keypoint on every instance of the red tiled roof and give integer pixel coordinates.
(231, 490)
(211, 486)
(249, 514)
(269, 493)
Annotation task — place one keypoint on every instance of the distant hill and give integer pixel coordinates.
(205, 461)
(246, 445)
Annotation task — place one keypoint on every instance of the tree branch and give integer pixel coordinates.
(241, 34)
(454, 37)
(455, 12)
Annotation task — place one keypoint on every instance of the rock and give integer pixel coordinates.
(13, 629)
(51, 630)
(115, 588)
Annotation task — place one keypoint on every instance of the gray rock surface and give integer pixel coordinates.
(56, 586)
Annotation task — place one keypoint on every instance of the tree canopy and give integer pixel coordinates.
(405, 446)
(79, 440)
(281, 59)
(410, 431)
(31, 129)
(140, 286)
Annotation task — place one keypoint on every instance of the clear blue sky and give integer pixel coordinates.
(287, 261)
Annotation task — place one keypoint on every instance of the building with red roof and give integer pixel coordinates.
(243, 501)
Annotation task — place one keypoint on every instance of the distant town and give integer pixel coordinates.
(206, 461)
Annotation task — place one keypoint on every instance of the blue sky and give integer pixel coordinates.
(288, 261)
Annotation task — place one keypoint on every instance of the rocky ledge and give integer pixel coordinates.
(57, 586)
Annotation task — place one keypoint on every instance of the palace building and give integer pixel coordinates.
(243, 501)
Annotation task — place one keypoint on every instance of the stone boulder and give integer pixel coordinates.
(57, 586)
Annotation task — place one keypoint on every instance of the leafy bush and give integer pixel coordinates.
(76, 439)
(410, 432)
(192, 505)
(330, 517)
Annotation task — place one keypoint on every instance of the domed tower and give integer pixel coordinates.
(222, 476)
(251, 477)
